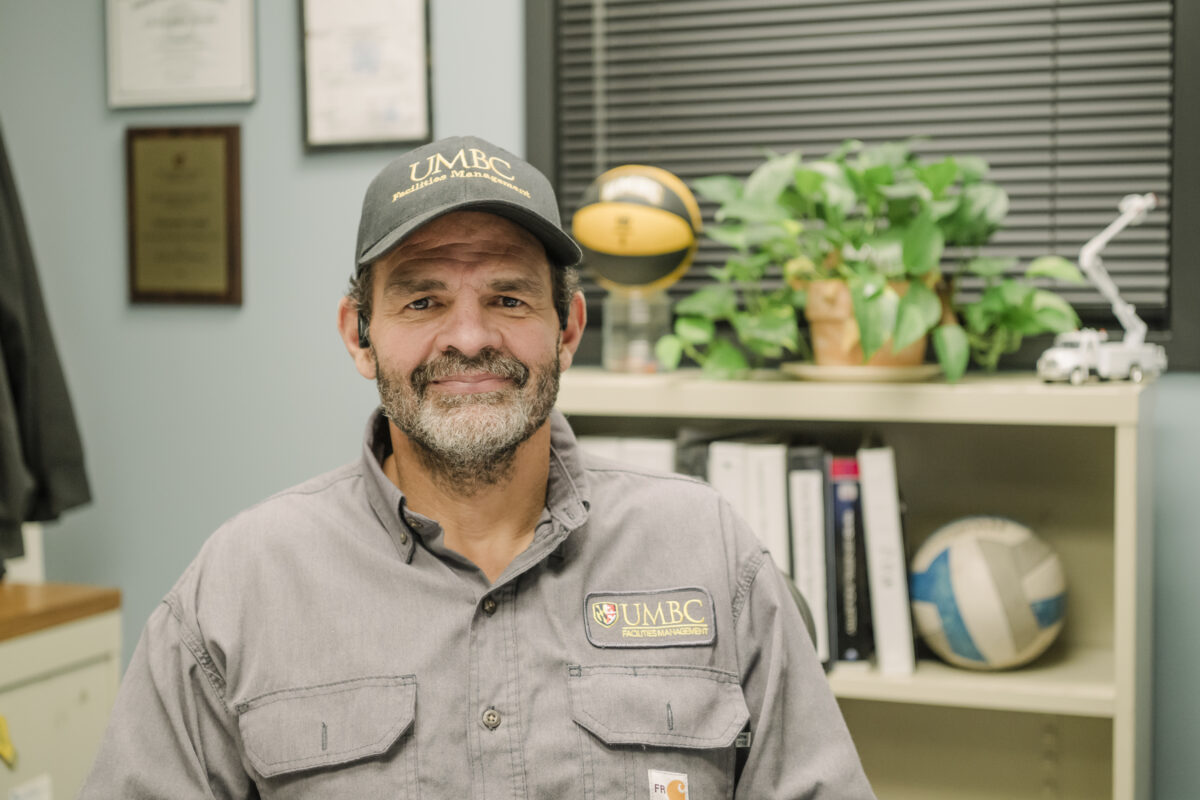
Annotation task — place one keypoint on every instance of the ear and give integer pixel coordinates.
(364, 357)
(573, 333)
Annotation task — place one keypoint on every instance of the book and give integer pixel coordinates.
(691, 452)
(811, 531)
(853, 608)
(887, 564)
(752, 476)
(657, 455)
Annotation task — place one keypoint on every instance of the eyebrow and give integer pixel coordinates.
(420, 284)
(415, 285)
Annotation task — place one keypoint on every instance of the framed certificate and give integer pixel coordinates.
(366, 72)
(184, 207)
(182, 52)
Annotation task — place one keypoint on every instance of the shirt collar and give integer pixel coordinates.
(567, 495)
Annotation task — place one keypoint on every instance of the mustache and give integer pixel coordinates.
(454, 362)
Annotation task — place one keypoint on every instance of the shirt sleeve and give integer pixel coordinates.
(800, 746)
(170, 734)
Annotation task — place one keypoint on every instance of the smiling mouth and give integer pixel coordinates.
(472, 383)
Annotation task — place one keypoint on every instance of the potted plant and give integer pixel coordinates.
(862, 233)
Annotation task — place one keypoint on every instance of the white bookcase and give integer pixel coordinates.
(1070, 462)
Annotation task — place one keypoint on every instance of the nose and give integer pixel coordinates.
(468, 328)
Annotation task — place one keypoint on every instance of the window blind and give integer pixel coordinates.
(1070, 102)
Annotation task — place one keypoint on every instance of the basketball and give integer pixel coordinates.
(987, 593)
(638, 227)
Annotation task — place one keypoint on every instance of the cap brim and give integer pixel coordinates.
(561, 249)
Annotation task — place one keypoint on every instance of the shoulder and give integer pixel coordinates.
(303, 518)
(668, 509)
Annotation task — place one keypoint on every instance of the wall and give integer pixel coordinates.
(190, 414)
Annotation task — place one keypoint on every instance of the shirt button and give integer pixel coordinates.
(491, 719)
(403, 537)
(489, 606)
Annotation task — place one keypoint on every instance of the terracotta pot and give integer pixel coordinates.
(834, 330)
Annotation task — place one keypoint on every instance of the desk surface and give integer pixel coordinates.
(27, 607)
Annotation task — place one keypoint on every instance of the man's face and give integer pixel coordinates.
(466, 340)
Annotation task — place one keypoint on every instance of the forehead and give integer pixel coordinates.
(470, 237)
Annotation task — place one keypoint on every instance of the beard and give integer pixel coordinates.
(469, 441)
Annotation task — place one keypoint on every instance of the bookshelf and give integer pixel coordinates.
(1072, 463)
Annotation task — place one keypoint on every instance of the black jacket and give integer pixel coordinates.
(41, 456)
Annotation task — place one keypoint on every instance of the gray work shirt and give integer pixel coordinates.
(327, 644)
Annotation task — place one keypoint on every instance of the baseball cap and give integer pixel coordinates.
(460, 173)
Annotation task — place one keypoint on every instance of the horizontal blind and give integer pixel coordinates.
(1069, 102)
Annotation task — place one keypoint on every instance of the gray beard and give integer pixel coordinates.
(470, 441)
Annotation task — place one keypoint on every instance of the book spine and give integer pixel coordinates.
(853, 598)
(891, 617)
(808, 523)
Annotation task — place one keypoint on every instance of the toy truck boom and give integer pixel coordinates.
(1077, 354)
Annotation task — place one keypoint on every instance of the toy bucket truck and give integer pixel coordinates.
(1078, 354)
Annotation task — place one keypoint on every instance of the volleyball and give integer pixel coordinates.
(987, 593)
(638, 227)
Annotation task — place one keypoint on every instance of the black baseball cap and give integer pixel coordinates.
(461, 173)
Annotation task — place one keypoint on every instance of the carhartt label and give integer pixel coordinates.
(668, 785)
(660, 618)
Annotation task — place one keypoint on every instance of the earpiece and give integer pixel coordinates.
(364, 340)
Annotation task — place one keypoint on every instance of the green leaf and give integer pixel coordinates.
(713, 302)
(990, 267)
(876, 316)
(972, 168)
(771, 177)
(718, 188)
(883, 253)
(888, 154)
(732, 235)
(1016, 294)
(752, 209)
(770, 332)
(923, 245)
(808, 181)
(669, 351)
(939, 176)
(847, 147)
(724, 360)
(695, 330)
(943, 208)
(838, 194)
(906, 190)
(1053, 313)
(919, 310)
(750, 269)
(1056, 267)
(953, 352)
(985, 202)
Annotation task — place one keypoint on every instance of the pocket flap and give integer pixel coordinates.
(693, 707)
(320, 726)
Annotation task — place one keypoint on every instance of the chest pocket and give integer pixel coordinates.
(642, 723)
(347, 739)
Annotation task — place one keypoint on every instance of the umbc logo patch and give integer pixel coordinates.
(655, 618)
(605, 613)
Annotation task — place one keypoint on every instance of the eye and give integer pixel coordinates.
(511, 302)
(420, 305)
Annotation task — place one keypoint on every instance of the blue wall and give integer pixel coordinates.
(190, 414)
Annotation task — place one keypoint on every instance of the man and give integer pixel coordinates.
(471, 610)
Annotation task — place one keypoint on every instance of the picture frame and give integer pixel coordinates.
(366, 73)
(183, 190)
(186, 52)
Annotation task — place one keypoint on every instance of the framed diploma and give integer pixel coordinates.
(366, 72)
(181, 52)
(184, 214)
